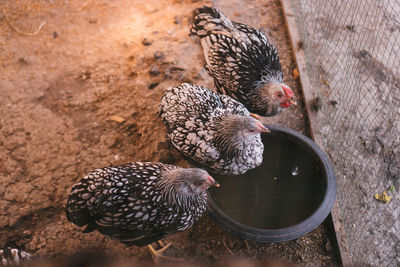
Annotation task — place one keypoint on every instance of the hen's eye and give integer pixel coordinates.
(279, 94)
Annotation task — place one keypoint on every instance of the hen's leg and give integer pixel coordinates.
(158, 254)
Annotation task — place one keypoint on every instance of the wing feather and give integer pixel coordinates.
(190, 113)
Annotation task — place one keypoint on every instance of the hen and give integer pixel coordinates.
(243, 63)
(139, 203)
(213, 130)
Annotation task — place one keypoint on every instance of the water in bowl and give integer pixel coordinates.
(286, 189)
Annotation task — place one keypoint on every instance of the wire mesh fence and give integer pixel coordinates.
(353, 60)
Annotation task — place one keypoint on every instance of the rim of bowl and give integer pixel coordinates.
(299, 229)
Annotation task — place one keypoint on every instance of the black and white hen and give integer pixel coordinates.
(213, 130)
(243, 63)
(140, 202)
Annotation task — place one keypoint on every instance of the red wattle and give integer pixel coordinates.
(285, 104)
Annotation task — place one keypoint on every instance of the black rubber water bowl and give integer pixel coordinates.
(289, 195)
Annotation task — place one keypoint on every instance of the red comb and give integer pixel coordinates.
(210, 179)
(288, 91)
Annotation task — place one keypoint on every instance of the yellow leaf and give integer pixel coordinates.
(384, 197)
(296, 74)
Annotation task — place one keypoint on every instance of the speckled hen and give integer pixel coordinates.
(243, 63)
(140, 202)
(214, 130)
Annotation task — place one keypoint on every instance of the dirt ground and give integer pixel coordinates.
(59, 90)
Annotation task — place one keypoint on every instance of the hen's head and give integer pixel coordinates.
(234, 132)
(183, 183)
(274, 97)
(241, 126)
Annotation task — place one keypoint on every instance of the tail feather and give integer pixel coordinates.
(208, 20)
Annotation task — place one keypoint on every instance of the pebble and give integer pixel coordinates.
(147, 42)
(22, 61)
(317, 104)
(333, 103)
(153, 85)
(328, 246)
(154, 70)
(132, 74)
(177, 20)
(27, 232)
(158, 55)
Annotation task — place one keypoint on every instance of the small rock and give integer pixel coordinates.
(317, 104)
(333, 103)
(132, 74)
(55, 34)
(177, 20)
(85, 75)
(153, 85)
(147, 42)
(22, 61)
(158, 55)
(26, 232)
(300, 44)
(351, 28)
(154, 70)
(176, 68)
(92, 21)
(371, 231)
(328, 246)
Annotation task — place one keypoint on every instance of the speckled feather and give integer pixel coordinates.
(14, 257)
(193, 116)
(240, 58)
(127, 203)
